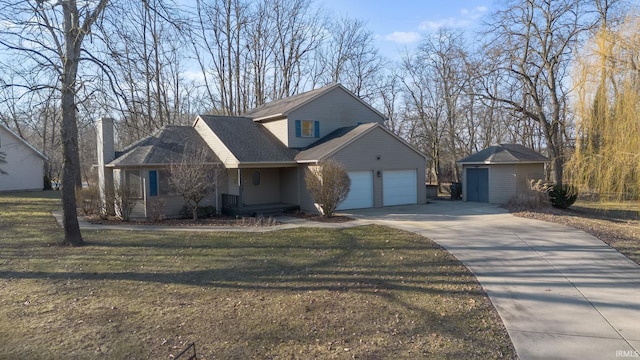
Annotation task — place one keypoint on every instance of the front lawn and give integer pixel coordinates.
(366, 293)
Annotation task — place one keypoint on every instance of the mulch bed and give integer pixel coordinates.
(220, 220)
(321, 218)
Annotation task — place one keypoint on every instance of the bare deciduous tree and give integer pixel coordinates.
(195, 176)
(348, 55)
(328, 184)
(534, 41)
(49, 36)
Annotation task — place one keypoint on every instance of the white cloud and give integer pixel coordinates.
(403, 37)
(431, 25)
(474, 13)
(194, 75)
(467, 18)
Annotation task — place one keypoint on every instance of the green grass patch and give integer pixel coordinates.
(367, 292)
(629, 210)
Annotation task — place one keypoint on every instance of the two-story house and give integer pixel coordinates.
(265, 153)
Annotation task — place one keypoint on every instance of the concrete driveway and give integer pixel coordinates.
(561, 293)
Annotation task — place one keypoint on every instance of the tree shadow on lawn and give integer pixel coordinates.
(349, 263)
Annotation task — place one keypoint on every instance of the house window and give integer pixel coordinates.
(133, 183)
(255, 178)
(307, 128)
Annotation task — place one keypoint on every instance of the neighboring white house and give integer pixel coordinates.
(24, 167)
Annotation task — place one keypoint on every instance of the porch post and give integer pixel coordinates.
(217, 195)
(144, 192)
(240, 189)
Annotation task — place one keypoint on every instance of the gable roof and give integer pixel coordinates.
(249, 142)
(333, 142)
(504, 154)
(24, 142)
(280, 108)
(167, 144)
(338, 139)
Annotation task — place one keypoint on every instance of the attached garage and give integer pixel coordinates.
(384, 169)
(399, 187)
(361, 193)
(500, 172)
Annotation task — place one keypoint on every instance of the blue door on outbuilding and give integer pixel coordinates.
(478, 185)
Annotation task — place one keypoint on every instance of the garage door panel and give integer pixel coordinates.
(361, 193)
(478, 184)
(399, 187)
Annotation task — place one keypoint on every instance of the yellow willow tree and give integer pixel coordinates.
(607, 80)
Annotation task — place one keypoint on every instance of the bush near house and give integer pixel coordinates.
(328, 184)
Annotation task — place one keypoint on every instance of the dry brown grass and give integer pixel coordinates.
(366, 293)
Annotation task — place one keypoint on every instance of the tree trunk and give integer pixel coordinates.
(70, 168)
(71, 180)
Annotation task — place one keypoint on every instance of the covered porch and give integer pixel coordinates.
(255, 191)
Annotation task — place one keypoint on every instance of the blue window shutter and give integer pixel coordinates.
(298, 128)
(153, 183)
(316, 129)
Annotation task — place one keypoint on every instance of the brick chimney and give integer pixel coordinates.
(106, 153)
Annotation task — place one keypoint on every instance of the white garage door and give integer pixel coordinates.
(399, 187)
(361, 193)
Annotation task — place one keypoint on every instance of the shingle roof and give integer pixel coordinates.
(333, 141)
(248, 141)
(504, 154)
(282, 106)
(167, 144)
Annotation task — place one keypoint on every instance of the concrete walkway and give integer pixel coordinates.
(285, 222)
(561, 293)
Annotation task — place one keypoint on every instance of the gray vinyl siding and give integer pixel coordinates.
(306, 201)
(502, 183)
(279, 129)
(24, 167)
(216, 145)
(172, 206)
(232, 182)
(289, 185)
(527, 172)
(333, 110)
(362, 154)
(267, 192)
(505, 181)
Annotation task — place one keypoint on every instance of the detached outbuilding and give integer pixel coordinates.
(498, 173)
